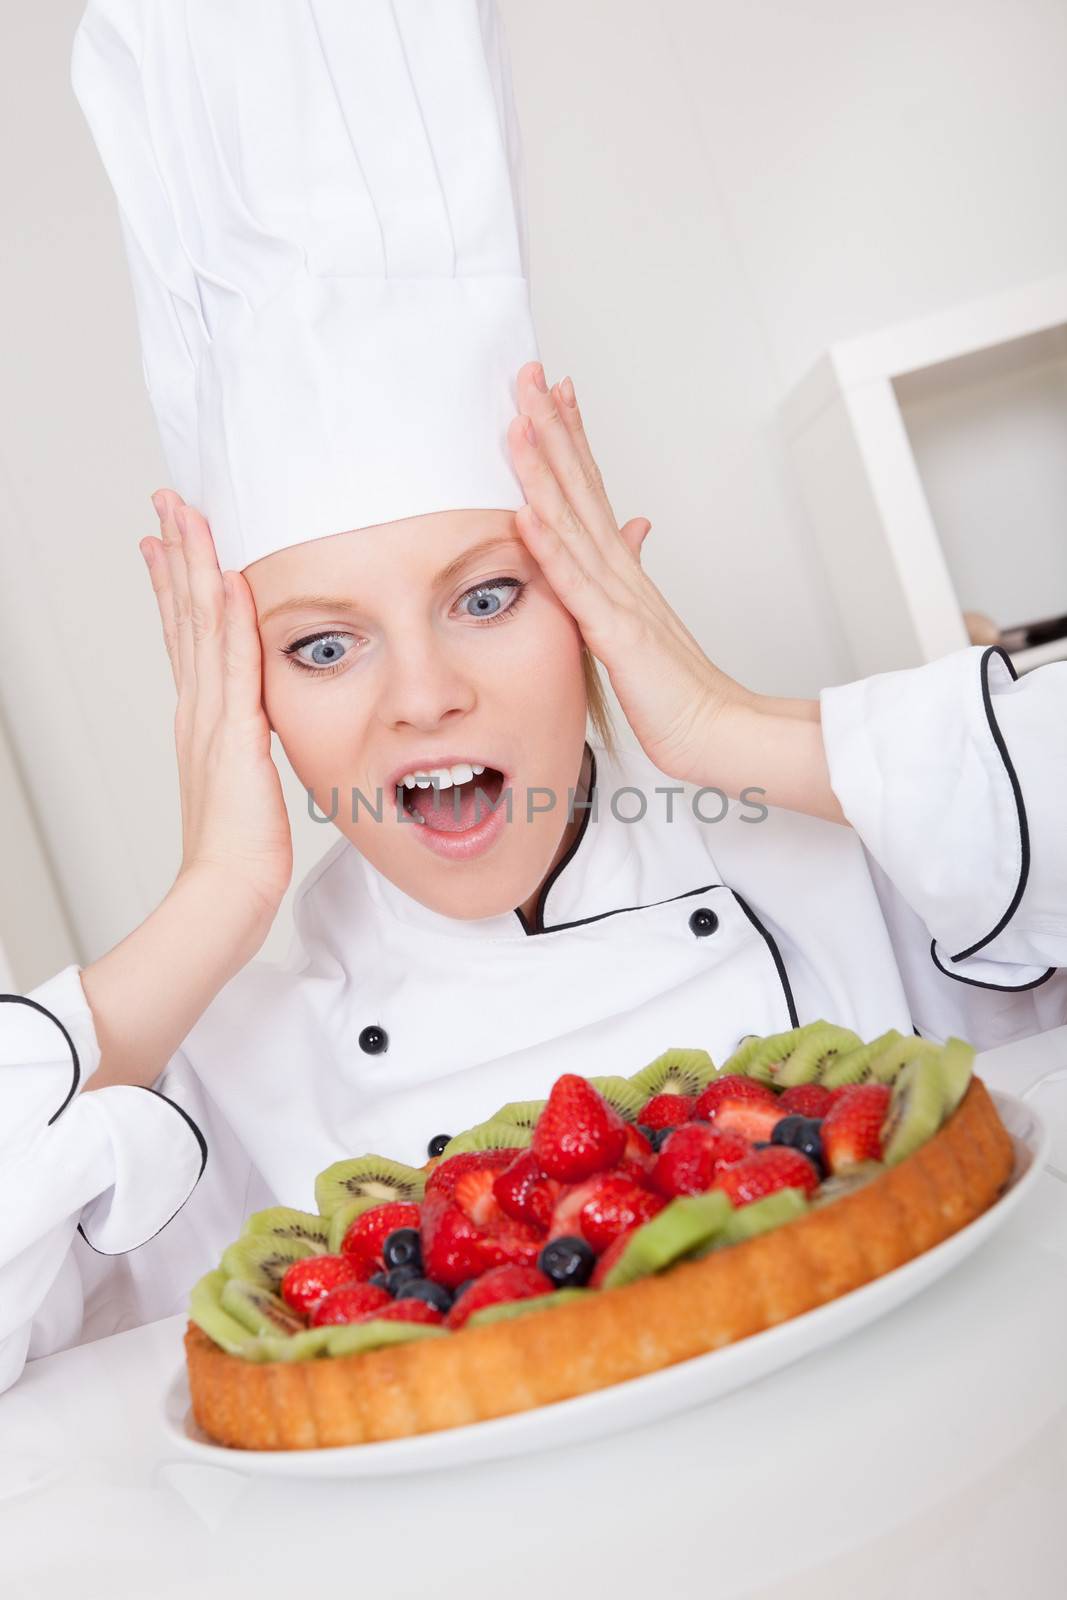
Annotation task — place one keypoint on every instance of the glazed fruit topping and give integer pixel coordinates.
(852, 1128)
(692, 1155)
(351, 1304)
(525, 1192)
(667, 1110)
(306, 1282)
(730, 1088)
(365, 1239)
(496, 1286)
(568, 1261)
(764, 1172)
(577, 1133)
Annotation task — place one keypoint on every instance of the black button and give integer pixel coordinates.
(374, 1040)
(703, 921)
(436, 1146)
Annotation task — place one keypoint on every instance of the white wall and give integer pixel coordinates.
(716, 192)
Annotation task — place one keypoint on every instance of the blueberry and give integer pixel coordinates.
(568, 1261)
(380, 1281)
(803, 1134)
(402, 1248)
(397, 1279)
(435, 1294)
(437, 1144)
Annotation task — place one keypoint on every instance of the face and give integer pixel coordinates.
(427, 644)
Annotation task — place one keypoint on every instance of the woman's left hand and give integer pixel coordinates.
(671, 693)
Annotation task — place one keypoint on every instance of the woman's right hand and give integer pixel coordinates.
(235, 827)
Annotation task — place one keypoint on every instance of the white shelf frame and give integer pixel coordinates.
(862, 486)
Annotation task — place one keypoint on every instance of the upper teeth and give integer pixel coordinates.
(444, 777)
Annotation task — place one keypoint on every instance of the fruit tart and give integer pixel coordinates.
(564, 1245)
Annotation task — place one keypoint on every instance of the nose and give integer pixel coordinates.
(423, 685)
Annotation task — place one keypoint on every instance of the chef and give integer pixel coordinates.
(322, 209)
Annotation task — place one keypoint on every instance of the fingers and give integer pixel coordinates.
(242, 682)
(562, 440)
(206, 634)
(155, 558)
(180, 643)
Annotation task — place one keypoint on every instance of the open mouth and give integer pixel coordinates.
(453, 807)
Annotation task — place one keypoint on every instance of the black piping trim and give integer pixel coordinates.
(772, 946)
(619, 911)
(1024, 831)
(201, 1141)
(538, 924)
(77, 1075)
(976, 983)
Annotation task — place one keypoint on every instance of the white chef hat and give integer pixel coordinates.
(322, 206)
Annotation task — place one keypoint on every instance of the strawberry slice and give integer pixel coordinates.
(614, 1205)
(766, 1171)
(638, 1155)
(353, 1303)
(305, 1282)
(524, 1192)
(667, 1110)
(852, 1128)
(445, 1176)
(405, 1311)
(754, 1120)
(578, 1132)
(496, 1287)
(806, 1100)
(691, 1157)
(729, 1089)
(466, 1234)
(362, 1244)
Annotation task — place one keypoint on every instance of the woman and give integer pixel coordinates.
(892, 856)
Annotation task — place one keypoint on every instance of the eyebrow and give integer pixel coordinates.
(336, 603)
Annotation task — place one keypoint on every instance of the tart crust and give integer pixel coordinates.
(610, 1336)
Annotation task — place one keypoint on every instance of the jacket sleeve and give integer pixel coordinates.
(954, 775)
(115, 1165)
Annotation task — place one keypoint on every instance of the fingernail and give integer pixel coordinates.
(539, 379)
(566, 389)
(179, 517)
(530, 434)
(160, 505)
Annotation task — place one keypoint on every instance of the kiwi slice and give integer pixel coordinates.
(206, 1311)
(489, 1136)
(354, 1337)
(517, 1308)
(374, 1179)
(855, 1065)
(887, 1062)
(674, 1072)
(282, 1222)
(681, 1227)
(914, 1113)
(737, 1064)
(621, 1094)
(339, 1224)
(955, 1063)
(763, 1215)
(761, 1058)
(819, 1045)
(520, 1113)
(258, 1309)
(262, 1259)
(302, 1346)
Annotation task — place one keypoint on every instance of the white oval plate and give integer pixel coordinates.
(640, 1400)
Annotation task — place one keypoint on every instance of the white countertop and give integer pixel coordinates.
(924, 1456)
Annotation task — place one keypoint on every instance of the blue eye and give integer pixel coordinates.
(486, 604)
(325, 648)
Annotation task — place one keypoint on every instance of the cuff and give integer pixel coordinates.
(48, 1050)
(924, 776)
(123, 1161)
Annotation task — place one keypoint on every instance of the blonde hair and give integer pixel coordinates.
(596, 702)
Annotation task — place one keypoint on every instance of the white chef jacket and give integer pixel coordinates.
(943, 908)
